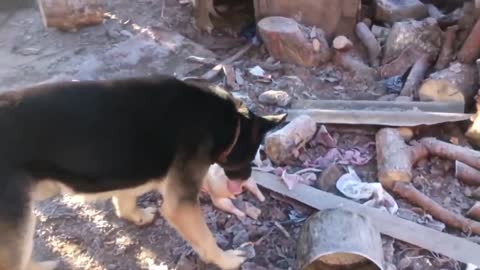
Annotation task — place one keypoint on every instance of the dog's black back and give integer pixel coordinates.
(98, 136)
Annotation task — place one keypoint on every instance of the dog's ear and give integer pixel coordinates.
(264, 124)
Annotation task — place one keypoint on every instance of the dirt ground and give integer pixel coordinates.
(140, 37)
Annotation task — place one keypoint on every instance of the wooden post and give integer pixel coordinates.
(70, 15)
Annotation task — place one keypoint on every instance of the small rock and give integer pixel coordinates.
(257, 71)
(395, 10)
(221, 240)
(29, 51)
(249, 249)
(240, 237)
(113, 33)
(126, 33)
(275, 97)
(252, 211)
(329, 178)
(339, 88)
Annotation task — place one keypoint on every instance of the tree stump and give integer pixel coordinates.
(285, 41)
(70, 15)
(457, 83)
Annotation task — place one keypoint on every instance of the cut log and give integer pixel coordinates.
(342, 44)
(466, 174)
(411, 194)
(415, 78)
(285, 41)
(370, 42)
(451, 151)
(424, 36)
(456, 83)
(402, 63)
(71, 15)
(395, 158)
(471, 48)
(337, 17)
(282, 146)
(446, 53)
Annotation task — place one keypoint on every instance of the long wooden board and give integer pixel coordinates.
(376, 105)
(381, 118)
(451, 246)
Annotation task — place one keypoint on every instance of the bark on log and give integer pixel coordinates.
(471, 48)
(395, 158)
(71, 15)
(415, 78)
(446, 53)
(411, 194)
(451, 151)
(456, 83)
(402, 63)
(282, 146)
(285, 41)
(424, 36)
(466, 174)
(474, 212)
(370, 42)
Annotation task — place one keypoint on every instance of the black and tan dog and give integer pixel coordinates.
(120, 139)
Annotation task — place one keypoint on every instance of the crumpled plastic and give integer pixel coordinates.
(352, 186)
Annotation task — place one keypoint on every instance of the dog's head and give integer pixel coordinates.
(251, 132)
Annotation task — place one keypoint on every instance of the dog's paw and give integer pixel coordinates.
(145, 215)
(231, 259)
(46, 265)
(141, 216)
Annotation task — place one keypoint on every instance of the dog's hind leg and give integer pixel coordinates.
(125, 204)
(17, 223)
(182, 210)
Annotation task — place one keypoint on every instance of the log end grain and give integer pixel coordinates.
(286, 41)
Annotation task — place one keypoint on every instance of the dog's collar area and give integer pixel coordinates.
(223, 157)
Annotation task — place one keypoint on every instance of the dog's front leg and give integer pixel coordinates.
(185, 216)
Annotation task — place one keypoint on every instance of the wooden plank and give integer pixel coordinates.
(382, 118)
(377, 105)
(451, 246)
